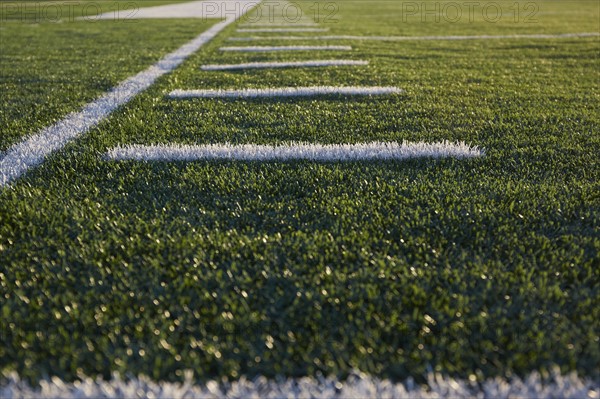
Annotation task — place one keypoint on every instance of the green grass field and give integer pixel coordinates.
(50, 69)
(486, 267)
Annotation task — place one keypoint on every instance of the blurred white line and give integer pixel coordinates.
(277, 25)
(225, 9)
(415, 38)
(286, 48)
(281, 30)
(298, 64)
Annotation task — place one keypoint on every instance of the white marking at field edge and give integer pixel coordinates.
(286, 48)
(282, 30)
(293, 64)
(33, 150)
(410, 38)
(286, 92)
(278, 25)
(295, 151)
(193, 9)
(356, 385)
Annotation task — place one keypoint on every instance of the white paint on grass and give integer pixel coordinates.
(281, 30)
(293, 64)
(278, 24)
(357, 385)
(33, 150)
(418, 38)
(295, 151)
(258, 49)
(194, 9)
(286, 92)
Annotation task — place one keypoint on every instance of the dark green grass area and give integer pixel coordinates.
(487, 267)
(48, 70)
(245, 269)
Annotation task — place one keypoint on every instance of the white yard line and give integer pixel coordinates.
(295, 151)
(32, 151)
(286, 48)
(289, 24)
(286, 92)
(281, 30)
(194, 9)
(416, 38)
(293, 64)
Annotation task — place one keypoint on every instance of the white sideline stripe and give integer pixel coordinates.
(410, 38)
(298, 64)
(356, 385)
(295, 151)
(286, 92)
(33, 150)
(194, 9)
(286, 48)
(281, 30)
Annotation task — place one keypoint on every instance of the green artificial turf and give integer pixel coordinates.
(486, 267)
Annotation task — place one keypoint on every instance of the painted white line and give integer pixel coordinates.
(295, 151)
(194, 9)
(286, 48)
(298, 64)
(33, 150)
(356, 385)
(416, 38)
(286, 92)
(278, 25)
(282, 30)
